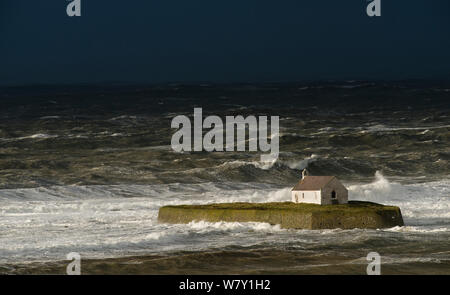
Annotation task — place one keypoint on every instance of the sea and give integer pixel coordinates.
(85, 168)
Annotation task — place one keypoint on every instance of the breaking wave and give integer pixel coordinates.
(293, 164)
(421, 203)
(203, 226)
(46, 223)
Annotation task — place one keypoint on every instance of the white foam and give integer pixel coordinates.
(113, 220)
(240, 163)
(293, 164)
(33, 136)
(204, 226)
(302, 164)
(383, 128)
(417, 229)
(421, 203)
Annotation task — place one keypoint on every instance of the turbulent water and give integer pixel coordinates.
(85, 169)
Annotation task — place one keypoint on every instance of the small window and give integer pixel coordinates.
(303, 195)
(333, 195)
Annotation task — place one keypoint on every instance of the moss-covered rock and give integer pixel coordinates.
(355, 214)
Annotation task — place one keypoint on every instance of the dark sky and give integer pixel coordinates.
(222, 41)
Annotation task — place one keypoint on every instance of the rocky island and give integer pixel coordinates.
(354, 214)
(317, 202)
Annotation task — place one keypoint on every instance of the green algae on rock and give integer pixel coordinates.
(355, 214)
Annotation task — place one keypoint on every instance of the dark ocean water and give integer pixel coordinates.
(85, 169)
